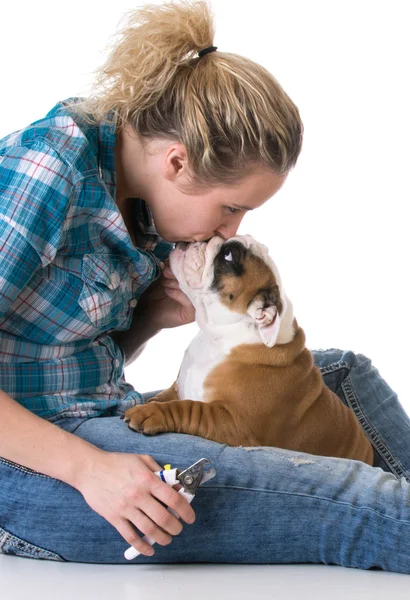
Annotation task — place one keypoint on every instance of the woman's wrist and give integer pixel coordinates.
(78, 474)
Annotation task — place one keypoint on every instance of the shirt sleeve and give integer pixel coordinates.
(35, 191)
(163, 249)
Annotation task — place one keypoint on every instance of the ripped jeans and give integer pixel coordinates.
(265, 505)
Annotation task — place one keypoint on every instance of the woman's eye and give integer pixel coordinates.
(233, 210)
(228, 256)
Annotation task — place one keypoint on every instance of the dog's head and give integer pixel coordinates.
(234, 280)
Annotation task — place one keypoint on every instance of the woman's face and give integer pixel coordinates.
(197, 216)
(160, 174)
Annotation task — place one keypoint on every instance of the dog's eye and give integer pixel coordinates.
(228, 256)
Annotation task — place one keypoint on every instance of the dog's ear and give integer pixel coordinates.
(267, 317)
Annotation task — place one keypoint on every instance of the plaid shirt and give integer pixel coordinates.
(69, 272)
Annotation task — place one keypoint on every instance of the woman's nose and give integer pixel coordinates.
(228, 230)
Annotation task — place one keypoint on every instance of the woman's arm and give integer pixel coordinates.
(133, 341)
(122, 488)
(35, 443)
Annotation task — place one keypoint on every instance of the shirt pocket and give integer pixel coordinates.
(107, 293)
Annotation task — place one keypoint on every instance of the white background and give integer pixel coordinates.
(338, 230)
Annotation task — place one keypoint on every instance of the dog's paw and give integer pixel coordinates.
(146, 418)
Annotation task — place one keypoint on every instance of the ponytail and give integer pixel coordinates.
(229, 112)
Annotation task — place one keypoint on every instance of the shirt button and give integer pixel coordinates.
(113, 281)
(116, 363)
(133, 303)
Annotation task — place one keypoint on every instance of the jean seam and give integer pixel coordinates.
(312, 497)
(26, 548)
(338, 366)
(374, 437)
(22, 469)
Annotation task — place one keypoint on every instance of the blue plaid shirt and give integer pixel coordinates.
(69, 272)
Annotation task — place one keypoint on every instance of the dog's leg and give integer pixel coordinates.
(170, 393)
(209, 420)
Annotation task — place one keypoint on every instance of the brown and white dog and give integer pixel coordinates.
(247, 378)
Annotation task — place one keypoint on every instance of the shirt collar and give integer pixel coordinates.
(106, 148)
(149, 237)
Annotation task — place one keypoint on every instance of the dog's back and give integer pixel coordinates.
(278, 398)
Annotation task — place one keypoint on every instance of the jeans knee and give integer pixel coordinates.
(360, 361)
(336, 365)
(335, 359)
(354, 360)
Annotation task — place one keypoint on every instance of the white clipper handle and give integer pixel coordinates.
(169, 476)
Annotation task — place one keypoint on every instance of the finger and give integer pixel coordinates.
(164, 492)
(150, 462)
(127, 531)
(177, 502)
(152, 527)
(179, 297)
(156, 518)
(162, 513)
(168, 273)
(188, 314)
(171, 283)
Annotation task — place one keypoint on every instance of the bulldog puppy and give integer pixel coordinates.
(247, 378)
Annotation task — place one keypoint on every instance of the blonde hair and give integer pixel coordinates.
(229, 112)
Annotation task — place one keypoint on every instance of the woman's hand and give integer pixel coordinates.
(164, 304)
(123, 489)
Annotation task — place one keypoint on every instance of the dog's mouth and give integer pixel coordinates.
(181, 246)
(193, 261)
(187, 262)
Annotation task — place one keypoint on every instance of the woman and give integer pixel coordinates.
(177, 143)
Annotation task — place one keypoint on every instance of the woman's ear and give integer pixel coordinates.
(175, 164)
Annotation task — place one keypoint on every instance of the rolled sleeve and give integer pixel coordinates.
(18, 263)
(35, 191)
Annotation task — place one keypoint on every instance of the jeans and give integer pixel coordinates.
(265, 505)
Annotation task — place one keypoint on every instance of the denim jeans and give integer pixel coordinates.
(265, 505)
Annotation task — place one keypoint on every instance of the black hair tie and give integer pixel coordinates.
(207, 51)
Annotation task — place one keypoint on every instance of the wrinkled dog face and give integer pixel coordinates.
(237, 275)
(192, 265)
